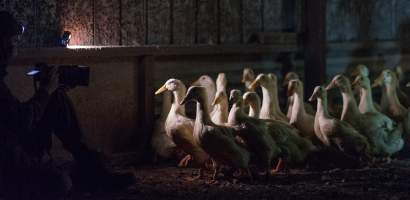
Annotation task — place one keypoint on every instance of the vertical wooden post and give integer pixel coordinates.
(145, 92)
(315, 44)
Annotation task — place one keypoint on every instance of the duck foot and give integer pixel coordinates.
(185, 161)
(278, 167)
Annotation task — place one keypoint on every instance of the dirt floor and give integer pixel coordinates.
(389, 181)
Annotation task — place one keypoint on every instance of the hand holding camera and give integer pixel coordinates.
(50, 82)
(51, 77)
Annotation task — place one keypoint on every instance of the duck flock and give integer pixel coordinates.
(254, 136)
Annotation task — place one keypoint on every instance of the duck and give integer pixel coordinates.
(248, 76)
(299, 117)
(270, 102)
(161, 142)
(308, 108)
(295, 149)
(362, 71)
(252, 100)
(383, 134)
(179, 127)
(334, 133)
(218, 141)
(207, 82)
(403, 98)
(219, 115)
(254, 133)
(390, 104)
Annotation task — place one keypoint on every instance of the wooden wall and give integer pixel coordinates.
(141, 22)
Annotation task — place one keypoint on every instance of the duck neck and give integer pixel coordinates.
(366, 100)
(176, 106)
(236, 113)
(350, 108)
(298, 107)
(322, 108)
(254, 110)
(269, 101)
(391, 95)
(202, 112)
(166, 104)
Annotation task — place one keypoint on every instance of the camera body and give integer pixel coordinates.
(69, 75)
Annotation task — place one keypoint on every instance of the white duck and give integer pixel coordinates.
(218, 141)
(270, 102)
(363, 71)
(220, 102)
(179, 127)
(248, 76)
(335, 133)
(161, 142)
(390, 104)
(252, 100)
(383, 135)
(299, 117)
(209, 84)
(308, 108)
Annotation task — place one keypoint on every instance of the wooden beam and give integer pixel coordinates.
(315, 44)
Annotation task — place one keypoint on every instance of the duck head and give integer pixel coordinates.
(219, 96)
(294, 86)
(362, 82)
(204, 81)
(263, 80)
(318, 93)
(341, 82)
(289, 76)
(248, 75)
(360, 69)
(171, 85)
(235, 96)
(386, 77)
(251, 99)
(195, 93)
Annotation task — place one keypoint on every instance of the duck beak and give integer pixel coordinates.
(161, 90)
(253, 85)
(313, 97)
(216, 100)
(356, 81)
(378, 81)
(331, 85)
(195, 83)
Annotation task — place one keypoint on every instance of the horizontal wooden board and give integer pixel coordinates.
(184, 22)
(107, 22)
(231, 21)
(159, 26)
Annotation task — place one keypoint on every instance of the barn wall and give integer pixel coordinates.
(143, 22)
(374, 32)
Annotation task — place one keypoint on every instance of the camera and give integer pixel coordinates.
(69, 75)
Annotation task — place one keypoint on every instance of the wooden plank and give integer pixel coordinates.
(315, 45)
(207, 22)
(159, 22)
(272, 14)
(47, 23)
(341, 24)
(24, 11)
(381, 20)
(231, 27)
(184, 23)
(402, 22)
(133, 22)
(107, 22)
(252, 18)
